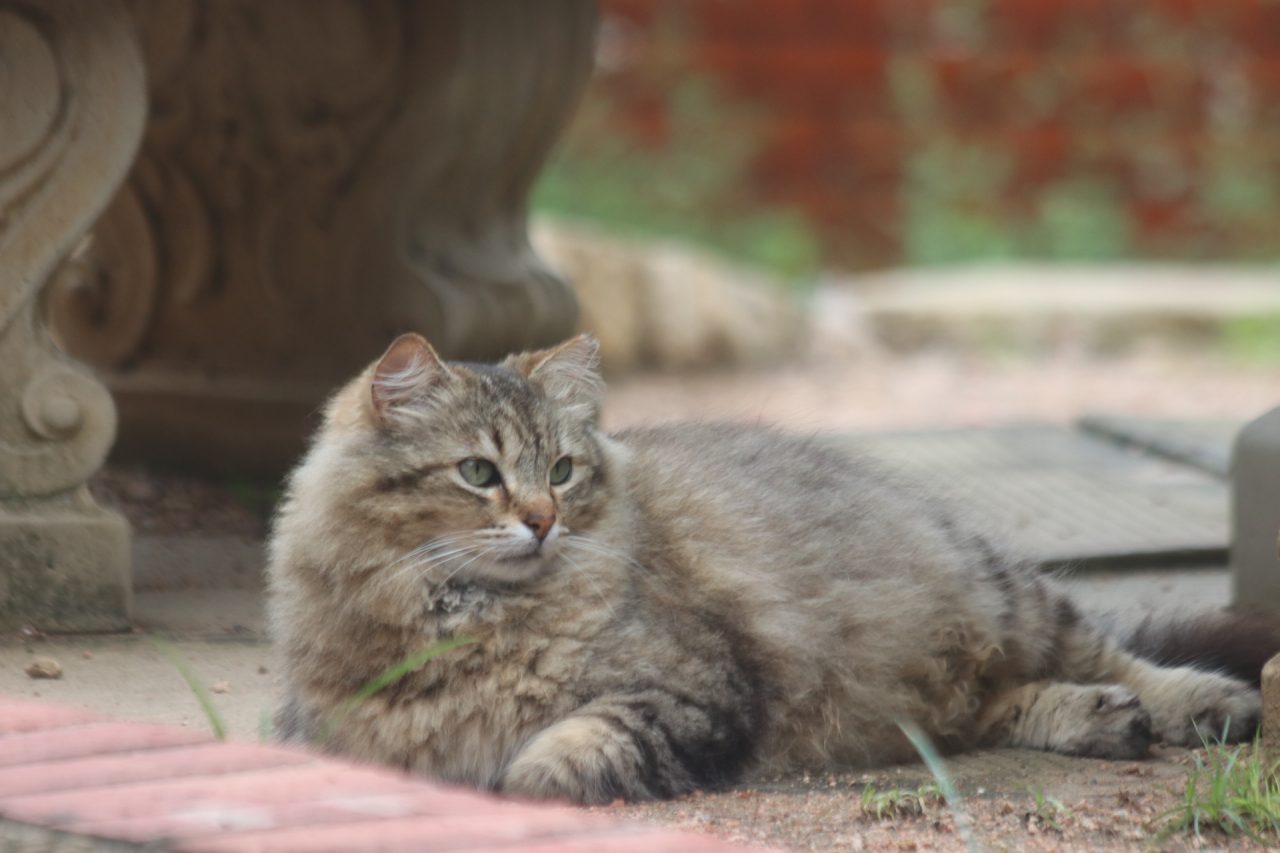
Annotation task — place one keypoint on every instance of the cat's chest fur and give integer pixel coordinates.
(524, 661)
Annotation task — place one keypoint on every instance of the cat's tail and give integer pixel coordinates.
(1225, 641)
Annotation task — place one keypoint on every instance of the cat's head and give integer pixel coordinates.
(472, 473)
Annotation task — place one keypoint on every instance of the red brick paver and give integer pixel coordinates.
(88, 739)
(25, 716)
(172, 788)
(164, 765)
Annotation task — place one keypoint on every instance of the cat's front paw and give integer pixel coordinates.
(1204, 706)
(581, 759)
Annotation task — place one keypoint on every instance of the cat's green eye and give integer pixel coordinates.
(561, 471)
(479, 472)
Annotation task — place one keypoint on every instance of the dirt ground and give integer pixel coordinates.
(1084, 804)
(218, 629)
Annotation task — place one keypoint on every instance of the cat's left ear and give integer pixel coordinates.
(568, 373)
(405, 375)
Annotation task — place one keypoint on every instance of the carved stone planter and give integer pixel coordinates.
(314, 176)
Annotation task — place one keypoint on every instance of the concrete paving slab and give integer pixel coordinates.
(129, 676)
(1202, 444)
(1067, 498)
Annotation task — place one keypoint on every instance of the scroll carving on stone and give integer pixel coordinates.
(73, 102)
(315, 176)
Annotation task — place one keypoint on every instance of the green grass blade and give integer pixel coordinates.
(170, 651)
(1231, 790)
(264, 726)
(410, 664)
(933, 760)
(385, 679)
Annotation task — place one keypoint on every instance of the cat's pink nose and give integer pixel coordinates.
(540, 523)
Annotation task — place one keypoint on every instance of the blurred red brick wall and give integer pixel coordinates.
(1126, 80)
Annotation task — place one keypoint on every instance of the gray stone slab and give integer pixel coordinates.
(1205, 444)
(1069, 498)
(1255, 488)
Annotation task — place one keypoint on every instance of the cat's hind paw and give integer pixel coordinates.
(1200, 707)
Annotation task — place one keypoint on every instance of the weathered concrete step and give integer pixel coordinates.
(1034, 306)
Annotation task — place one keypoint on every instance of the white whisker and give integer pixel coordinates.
(432, 554)
(428, 546)
(484, 552)
(600, 549)
(421, 567)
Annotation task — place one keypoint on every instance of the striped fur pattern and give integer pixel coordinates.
(696, 604)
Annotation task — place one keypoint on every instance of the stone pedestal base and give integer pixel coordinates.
(66, 567)
(72, 102)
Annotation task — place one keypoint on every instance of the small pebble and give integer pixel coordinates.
(221, 687)
(44, 668)
(86, 654)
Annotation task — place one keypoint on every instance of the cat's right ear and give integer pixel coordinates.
(407, 371)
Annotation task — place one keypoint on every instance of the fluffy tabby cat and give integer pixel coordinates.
(669, 608)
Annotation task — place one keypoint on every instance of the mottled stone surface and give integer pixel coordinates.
(74, 100)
